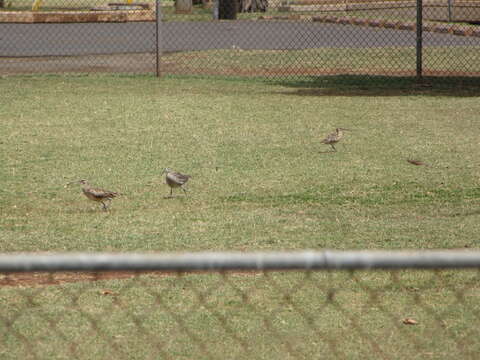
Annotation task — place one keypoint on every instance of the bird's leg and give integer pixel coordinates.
(171, 192)
(333, 147)
(184, 190)
(104, 206)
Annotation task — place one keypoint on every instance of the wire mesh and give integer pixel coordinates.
(240, 315)
(288, 38)
(77, 36)
(233, 314)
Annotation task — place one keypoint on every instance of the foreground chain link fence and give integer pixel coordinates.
(268, 38)
(347, 305)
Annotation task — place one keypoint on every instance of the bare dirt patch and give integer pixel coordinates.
(28, 279)
(32, 279)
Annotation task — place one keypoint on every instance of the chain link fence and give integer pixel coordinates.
(267, 38)
(332, 305)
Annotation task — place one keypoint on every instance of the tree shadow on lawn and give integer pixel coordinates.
(367, 85)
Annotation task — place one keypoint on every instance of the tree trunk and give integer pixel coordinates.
(253, 5)
(207, 4)
(227, 9)
(183, 6)
(2, 4)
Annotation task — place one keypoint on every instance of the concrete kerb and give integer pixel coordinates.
(399, 25)
(387, 24)
(149, 15)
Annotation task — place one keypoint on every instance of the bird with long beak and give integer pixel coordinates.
(96, 194)
(334, 137)
(175, 179)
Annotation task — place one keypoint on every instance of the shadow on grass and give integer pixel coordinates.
(367, 85)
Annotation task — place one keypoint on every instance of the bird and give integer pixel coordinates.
(96, 194)
(175, 179)
(334, 137)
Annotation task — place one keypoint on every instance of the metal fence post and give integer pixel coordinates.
(215, 9)
(158, 18)
(449, 10)
(419, 47)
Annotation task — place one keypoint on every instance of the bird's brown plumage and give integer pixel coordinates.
(97, 194)
(333, 138)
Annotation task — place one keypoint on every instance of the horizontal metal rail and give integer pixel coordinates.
(225, 261)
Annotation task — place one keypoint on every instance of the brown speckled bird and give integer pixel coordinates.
(334, 138)
(175, 179)
(96, 194)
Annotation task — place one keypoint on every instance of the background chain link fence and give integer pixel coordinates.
(275, 38)
(328, 305)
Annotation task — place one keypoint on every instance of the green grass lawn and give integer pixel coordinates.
(261, 180)
(322, 61)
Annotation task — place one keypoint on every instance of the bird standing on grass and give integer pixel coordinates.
(175, 179)
(96, 194)
(334, 138)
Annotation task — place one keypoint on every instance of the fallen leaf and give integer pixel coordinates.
(108, 292)
(410, 321)
(416, 162)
